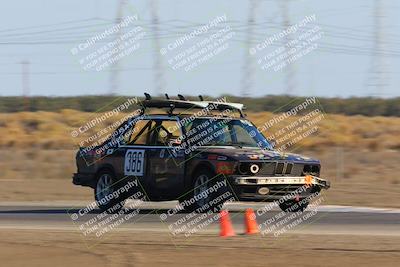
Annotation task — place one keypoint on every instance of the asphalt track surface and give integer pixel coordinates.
(148, 217)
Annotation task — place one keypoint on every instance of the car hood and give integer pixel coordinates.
(247, 153)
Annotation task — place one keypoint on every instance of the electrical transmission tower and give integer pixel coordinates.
(377, 78)
(289, 70)
(114, 71)
(248, 68)
(158, 66)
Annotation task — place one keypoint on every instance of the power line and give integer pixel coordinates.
(239, 29)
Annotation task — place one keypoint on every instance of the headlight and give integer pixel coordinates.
(254, 168)
(248, 168)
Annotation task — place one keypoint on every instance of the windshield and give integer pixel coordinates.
(225, 132)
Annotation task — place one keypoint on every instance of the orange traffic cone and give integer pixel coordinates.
(225, 224)
(250, 222)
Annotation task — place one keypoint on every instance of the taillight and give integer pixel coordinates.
(226, 168)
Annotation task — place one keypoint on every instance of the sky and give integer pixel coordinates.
(346, 56)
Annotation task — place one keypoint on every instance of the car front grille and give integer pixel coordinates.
(281, 168)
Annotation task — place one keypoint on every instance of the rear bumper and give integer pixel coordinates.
(83, 179)
(257, 188)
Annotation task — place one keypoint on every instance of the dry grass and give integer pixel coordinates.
(355, 132)
(50, 130)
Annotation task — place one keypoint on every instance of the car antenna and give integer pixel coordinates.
(181, 97)
(201, 98)
(148, 96)
(166, 96)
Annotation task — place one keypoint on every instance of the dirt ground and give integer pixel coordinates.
(47, 248)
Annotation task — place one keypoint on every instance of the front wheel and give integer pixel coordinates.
(208, 193)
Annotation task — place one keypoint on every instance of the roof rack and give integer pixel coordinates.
(183, 103)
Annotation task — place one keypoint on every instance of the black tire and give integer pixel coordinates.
(202, 180)
(293, 206)
(105, 186)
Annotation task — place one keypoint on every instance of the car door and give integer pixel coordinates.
(166, 159)
(133, 154)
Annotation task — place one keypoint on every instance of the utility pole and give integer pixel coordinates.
(114, 71)
(25, 83)
(289, 71)
(377, 80)
(158, 66)
(248, 68)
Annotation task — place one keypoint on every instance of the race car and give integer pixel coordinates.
(202, 153)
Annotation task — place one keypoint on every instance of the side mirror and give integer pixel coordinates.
(272, 142)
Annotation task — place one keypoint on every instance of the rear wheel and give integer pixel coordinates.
(104, 193)
(206, 195)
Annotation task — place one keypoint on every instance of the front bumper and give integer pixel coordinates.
(261, 188)
(284, 180)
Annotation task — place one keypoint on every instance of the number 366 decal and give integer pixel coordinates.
(134, 160)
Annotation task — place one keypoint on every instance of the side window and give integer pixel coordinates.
(166, 133)
(140, 132)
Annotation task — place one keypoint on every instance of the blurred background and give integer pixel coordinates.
(47, 91)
